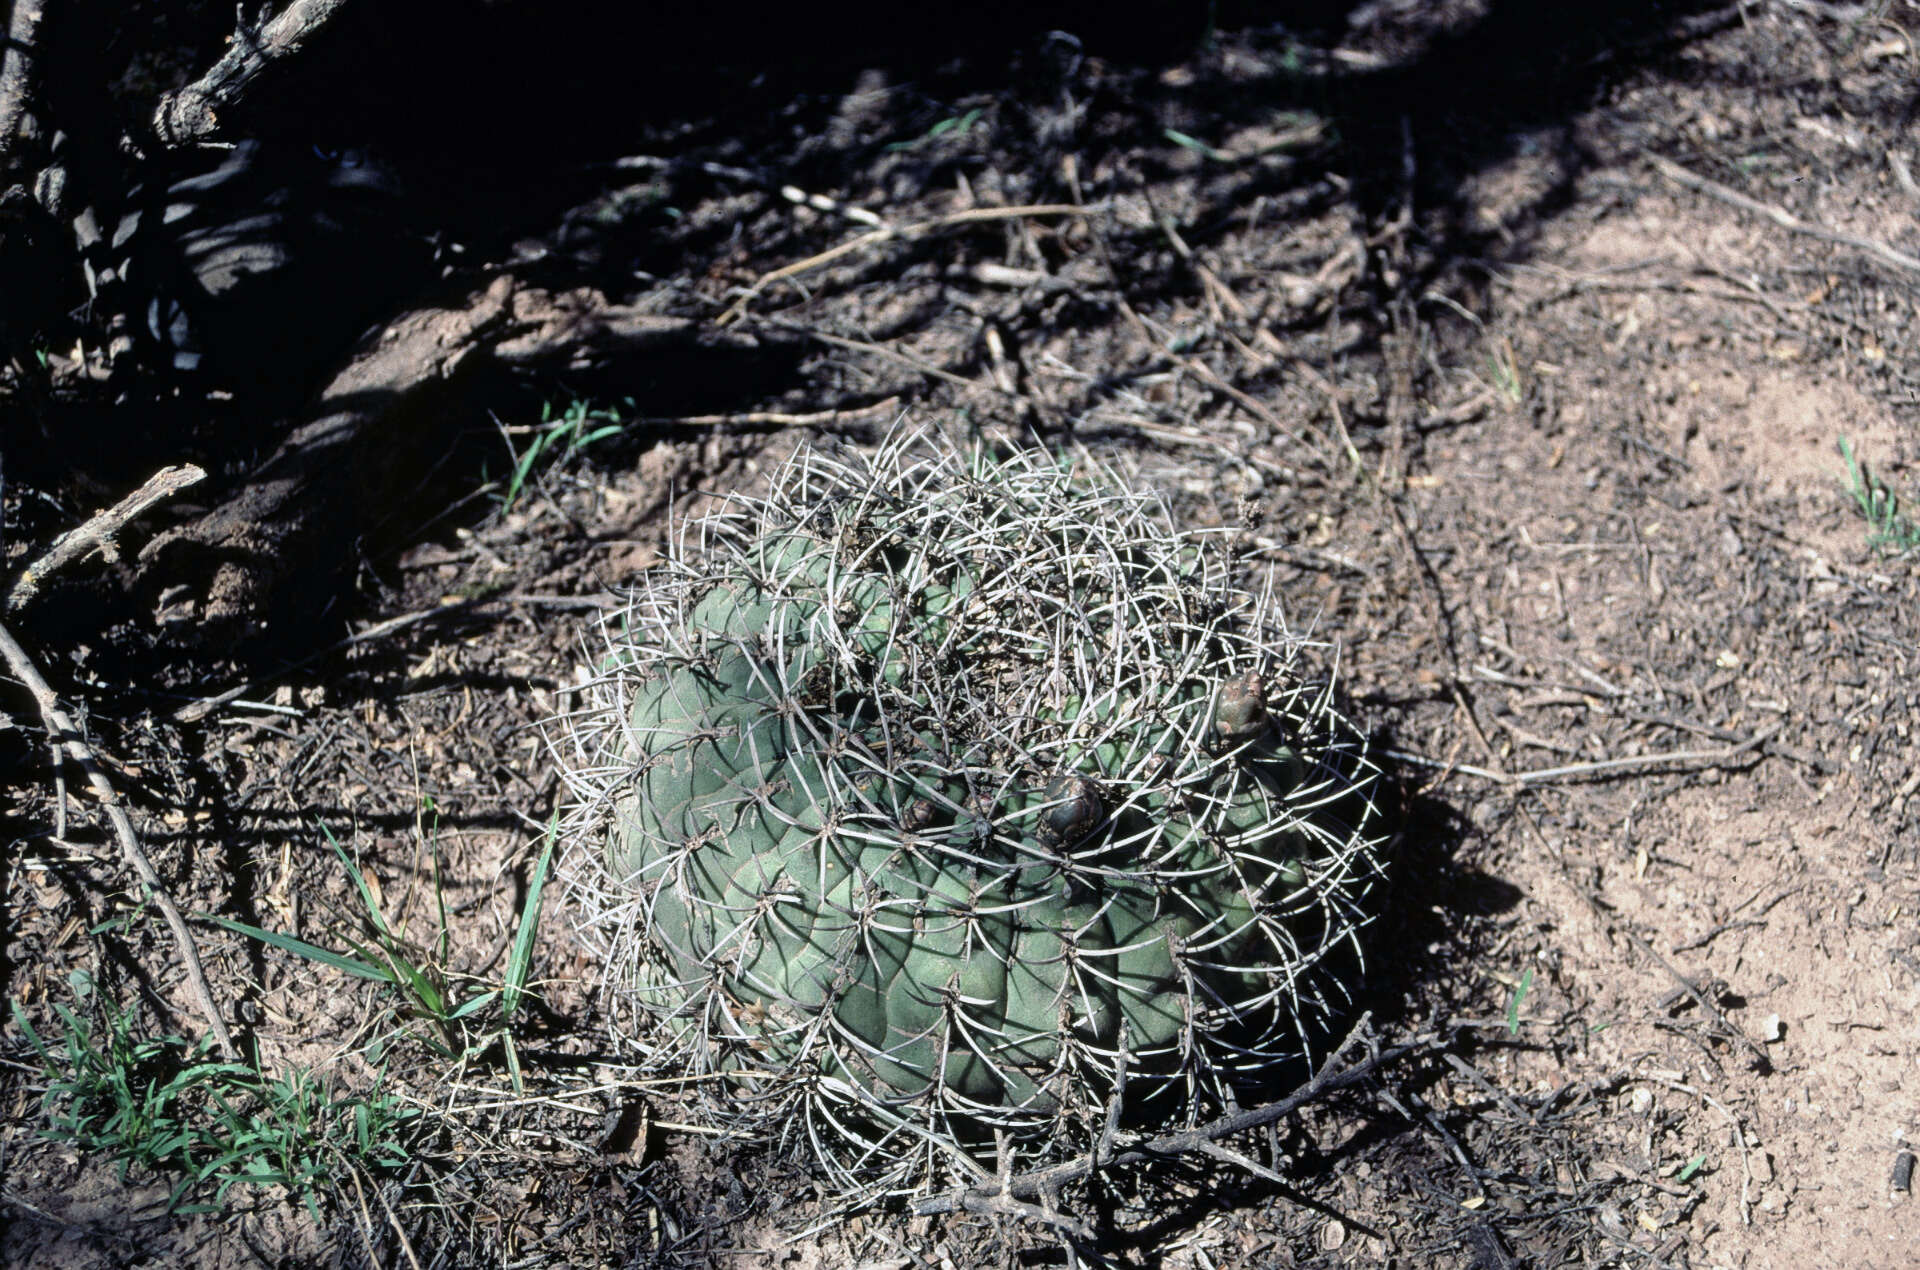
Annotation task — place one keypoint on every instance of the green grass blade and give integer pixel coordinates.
(33, 1037)
(359, 882)
(1196, 145)
(301, 948)
(473, 1005)
(520, 960)
(424, 990)
(513, 1065)
(1513, 1004)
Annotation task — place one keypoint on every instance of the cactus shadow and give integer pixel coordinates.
(1440, 910)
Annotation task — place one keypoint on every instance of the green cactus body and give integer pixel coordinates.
(945, 789)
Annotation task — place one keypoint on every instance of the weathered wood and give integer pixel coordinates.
(371, 434)
(193, 113)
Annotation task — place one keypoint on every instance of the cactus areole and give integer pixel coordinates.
(934, 794)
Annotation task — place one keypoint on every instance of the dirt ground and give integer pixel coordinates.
(1530, 397)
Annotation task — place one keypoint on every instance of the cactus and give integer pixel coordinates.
(935, 795)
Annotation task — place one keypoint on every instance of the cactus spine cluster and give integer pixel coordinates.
(934, 795)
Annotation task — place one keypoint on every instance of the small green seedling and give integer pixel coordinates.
(1196, 145)
(957, 124)
(1515, 1001)
(1504, 368)
(1889, 527)
(559, 438)
(1691, 1168)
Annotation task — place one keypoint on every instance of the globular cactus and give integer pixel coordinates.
(934, 795)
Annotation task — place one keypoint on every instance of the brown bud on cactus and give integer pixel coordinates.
(1241, 713)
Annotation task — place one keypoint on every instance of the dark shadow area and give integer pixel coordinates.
(414, 147)
(1440, 909)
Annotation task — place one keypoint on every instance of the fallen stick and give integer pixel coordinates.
(98, 533)
(907, 233)
(194, 711)
(881, 411)
(1598, 767)
(67, 738)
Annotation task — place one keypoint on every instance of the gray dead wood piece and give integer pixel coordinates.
(194, 711)
(192, 113)
(67, 738)
(17, 66)
(361, 447)
(98, 533)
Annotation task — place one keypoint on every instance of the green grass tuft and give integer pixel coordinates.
(1889, 528)
(560, 436)
(156, 1103)
(460, 1011)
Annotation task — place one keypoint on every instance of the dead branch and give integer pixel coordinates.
(192, 113)
(1335, 1074)
(66, 738)
(880, 412)
(1625, 765)
(98, 533)
(194, 711)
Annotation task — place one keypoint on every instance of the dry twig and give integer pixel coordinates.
(194, 711)
(1334, 1075)
(67, 738)
(905, 233)
(883, 411)
(98, 533)
(1600, 767)
(1781, 216)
